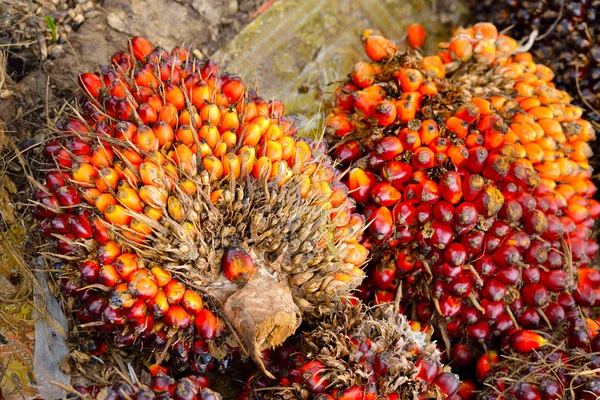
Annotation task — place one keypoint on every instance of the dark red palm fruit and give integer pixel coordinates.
(403, 214)
(529, 319)
(311, 373)
(527, 391)
(503, 326)
(472, 242)
(207, 325)
(349, 152)
(536, 253)
(443, 212)
(555, 313)
(423, 213)
(455, 254)
(493, 290)
(506, 256)
(470, 315)
(477, 159)
(428, 368)
(511, 211)
(385, 194)
(388, 148)
(80, 226)
(535, 295)
(442, 235)
(479, 331)
(89, 271)
(448, 383)
(551, 389)
(450, 307)
(383, 296)
(509, 275)
(531, 275)
(451, 187)
(237, 265)
(383, 275)
(461, 355)
(492, 309)
(460, 286)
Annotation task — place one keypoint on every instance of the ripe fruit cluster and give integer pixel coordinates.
(353, 355)
(556, 366)
(567, 39)
(162, 387)
(475, 188)
(180, 198)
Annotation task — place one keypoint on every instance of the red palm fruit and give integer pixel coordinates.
(535, 295)
(448, 383)
(455, 254)
(527, 391)
(192, 302)
(423, 158)
(396, 172)
(360, 184)
(140, 47)
(486, 363)
(158, 305)
(348, 152)
(416, 35)
(378, 47)
(525, 341)
(381, 223)
(175, 290)
(384, 194)
(206, 324)
(91, 84)
(429, 368)
(363, 75)
(177, 317)
(443, 212)
(451, 187)
(385, 113)
(311, 374)
(237, 265)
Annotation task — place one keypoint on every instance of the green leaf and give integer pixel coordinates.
(52, 27)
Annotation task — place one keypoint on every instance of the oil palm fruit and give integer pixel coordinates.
(472, 171)
(566, 38)
(357, 354)
(560, 365)
(183, 207)
(161, 387)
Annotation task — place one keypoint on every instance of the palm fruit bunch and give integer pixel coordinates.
(567, 38)
(561, 365)
(184, 208)
(472, 171)
(161, 387)
(356, 354)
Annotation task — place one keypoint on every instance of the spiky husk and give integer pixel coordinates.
(355, 353)
(497, 136)
(184, 208)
